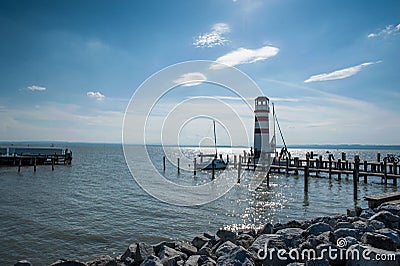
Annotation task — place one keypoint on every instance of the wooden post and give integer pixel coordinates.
(14, 159)
(306, 176)
(213, 169)
(34, 164)
(268, 178)
(378, 157)
(164, 162)
(395, 173)
(385, 172)
(296, 164)
(365, 171)
(52, 163)
(347, 168)
(330, 166)
(194, 166)
(355, 175)
(19, 164)
(339, 167)
(179, 167)
(279, 165)
(287, 166)
(239, 168)
(235, 161)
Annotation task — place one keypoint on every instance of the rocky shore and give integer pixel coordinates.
(360, 237)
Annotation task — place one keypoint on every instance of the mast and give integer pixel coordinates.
(273, 118)
(215, 141)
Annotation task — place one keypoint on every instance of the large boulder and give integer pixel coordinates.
(394, 208)
(186, 248)
(199, 241)
(199, 260)
(389, 219)
(379, 241)
(264, 249)
(225, 248)
(344, 232)
(226, 235)
(170, 257)
(138, 252)
(362, 226)
(292, 236)
(236, 257)
(104, 260)
(367, 213)
(151, 261)
(23, 263)
(318, 228)
(267, 229)
(392, 234)
(376, 225)
(344, 225)
(244, 240)
(68, 263)
(157, 247)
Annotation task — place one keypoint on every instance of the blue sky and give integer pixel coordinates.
(69, 68)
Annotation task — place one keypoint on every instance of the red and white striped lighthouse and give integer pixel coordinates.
(261, 128)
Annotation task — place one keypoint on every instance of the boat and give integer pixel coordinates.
(216, 163)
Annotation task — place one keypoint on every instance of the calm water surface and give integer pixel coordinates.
(95, 207)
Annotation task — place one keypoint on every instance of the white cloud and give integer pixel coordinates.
(340, 74)
(36, 88)
(214, 37)
(191, 79)
(245, 56)
(387, 31)
(97, 95)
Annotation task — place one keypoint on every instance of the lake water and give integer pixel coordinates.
(95, 207)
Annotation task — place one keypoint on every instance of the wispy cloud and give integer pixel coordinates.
(191, 79)
(340, 74)
(97, 95)
(214, 37)
(245, 56)
(36, 88)
(387, 31)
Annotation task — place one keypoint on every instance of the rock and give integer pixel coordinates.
(192, 260)
(394, 235)
(376, 225)
(362, 227)
(199, 241)
(324, 252)
(23, 263)
(225, 248)
(292, 224)
(151, 261)
(206, 251)
(267, 229)
(351, 212)
(390, 220)
(350, 241)
(367, 213)
(199, 260)
(344, 232)
(318, 228)
(250, 232)
(379, 241)
(264, 249)
(137, 252)
(104, 260)
(206, 261)
(209, 235)
(393, 208)
(236, 257)
(326, 237)
(158, 246)
(226, 235)
(277, 227)
(317, 262)
(244, 240)
(344, 225)
(296, 264)
(363, 255)
(292, 236)
(68, 263)
(169, 256)
(305, 225)
(186, 248)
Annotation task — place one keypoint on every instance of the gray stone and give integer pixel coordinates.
(362, 226)
(199, 241)
(292, 236)
(226, 235)
(344, 225)
(169, 256)
(244, 240)
(367, 213)
(292, 224)
(344, 232)
(277, 227)
(209, 235)
(376, 224)
(350, 241)
(296, 264)
(318, 228)
(267, 229)
(379, 241)
(393, 208)
(317, 262)
(23, 263)
(157, 247)
(192, 260)
(236, 257)
(324, 251)
(363, 255)
(68, 263)
(392, 234)
(151, 261)
(104, 260)
(138, 252)
(225, 248)
(390, 220)
(326, 237)
(186, 248)
(261, 249)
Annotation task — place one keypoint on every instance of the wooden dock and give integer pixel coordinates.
(376, 200)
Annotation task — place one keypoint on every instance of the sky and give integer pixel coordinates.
(68, 69)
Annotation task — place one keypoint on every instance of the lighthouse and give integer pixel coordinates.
(262, 146)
